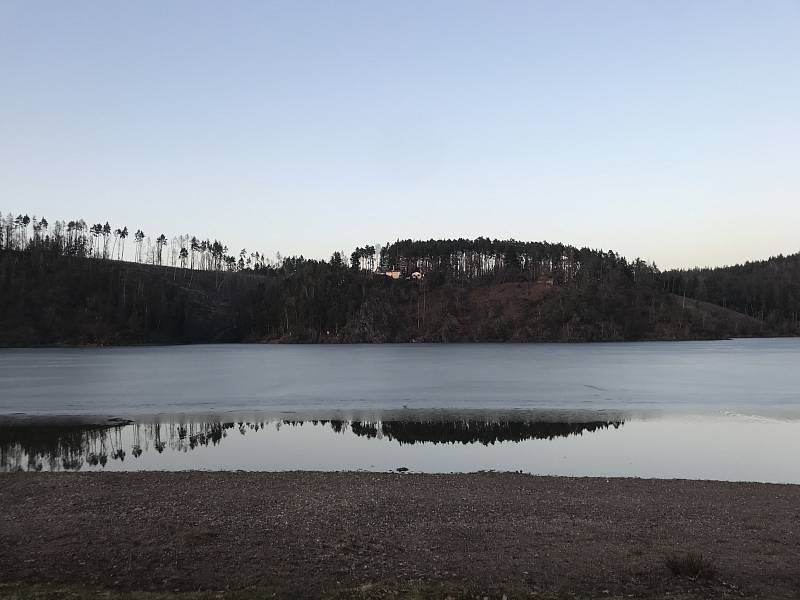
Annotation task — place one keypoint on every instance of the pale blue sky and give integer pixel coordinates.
(668, 130)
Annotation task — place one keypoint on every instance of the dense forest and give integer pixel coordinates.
(768, 290)
(71, 284)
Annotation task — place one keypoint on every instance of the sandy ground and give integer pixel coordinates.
(366, 535)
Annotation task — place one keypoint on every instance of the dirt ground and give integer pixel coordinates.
(367, 535)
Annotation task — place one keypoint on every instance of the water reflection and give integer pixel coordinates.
(472, 432)
(72, 447)
(60, 447)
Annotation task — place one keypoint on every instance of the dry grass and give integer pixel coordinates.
(690, 564)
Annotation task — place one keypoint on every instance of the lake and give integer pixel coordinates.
(713, 410)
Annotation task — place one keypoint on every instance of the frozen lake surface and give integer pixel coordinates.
(711, 410)
(754, 376)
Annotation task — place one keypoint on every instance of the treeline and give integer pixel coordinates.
(101, 241)
(768, 290)
(484, 258)
(458, 260)
(59, 285)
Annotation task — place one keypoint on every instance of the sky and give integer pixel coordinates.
(667, 130)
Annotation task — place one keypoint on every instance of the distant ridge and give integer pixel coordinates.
(54, 293)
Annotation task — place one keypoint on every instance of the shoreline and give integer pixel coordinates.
(277, 342)
(371, 535)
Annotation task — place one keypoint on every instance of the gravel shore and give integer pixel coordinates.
(366, 535)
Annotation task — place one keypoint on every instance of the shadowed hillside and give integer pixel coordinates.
(440, 290)
(768, 290)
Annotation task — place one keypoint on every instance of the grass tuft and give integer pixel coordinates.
(691, 564)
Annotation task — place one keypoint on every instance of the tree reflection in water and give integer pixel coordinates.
(472, 431)
(71, 447)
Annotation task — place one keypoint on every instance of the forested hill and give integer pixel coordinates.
(768, 290)
(61, 287)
